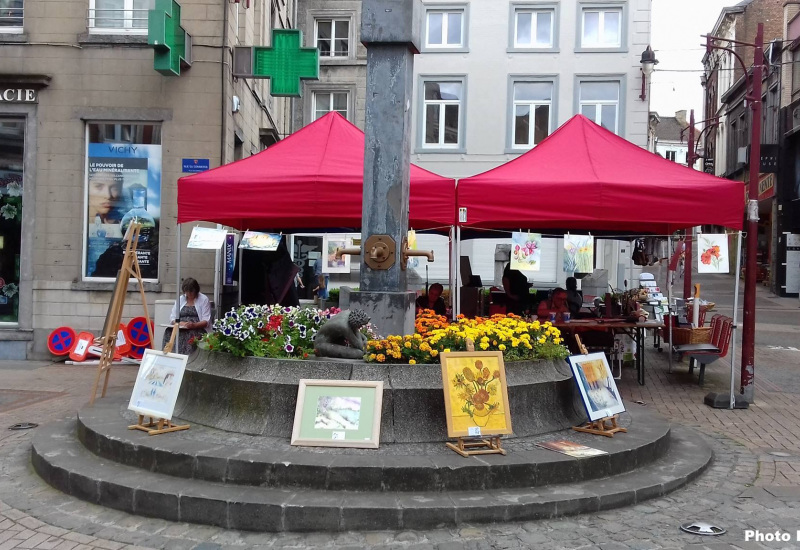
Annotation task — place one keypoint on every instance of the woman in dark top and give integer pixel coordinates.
(433, 300)
(516, 286)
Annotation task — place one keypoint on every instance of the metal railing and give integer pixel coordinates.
(11, 17)
(117, 19)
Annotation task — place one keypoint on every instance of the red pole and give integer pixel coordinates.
(687, 255)
(749, 318)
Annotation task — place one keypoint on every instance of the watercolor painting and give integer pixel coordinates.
(596, 384)
(337, 413)
(713, 254)
(578, 254)
(526, 251)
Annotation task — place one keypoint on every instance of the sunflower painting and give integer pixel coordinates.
(475, 394)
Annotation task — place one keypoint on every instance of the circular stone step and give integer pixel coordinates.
(214, 455)
(61, 460)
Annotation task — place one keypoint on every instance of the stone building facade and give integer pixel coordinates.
(79, 93)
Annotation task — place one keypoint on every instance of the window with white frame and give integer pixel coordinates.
(119, 15)
(671, 155)
(325, 102)
(11, 15)
(532, 113)
(601, 28)
(599, 101)
(533, 28)
(333, 37)
(441, 113)
(444, 29)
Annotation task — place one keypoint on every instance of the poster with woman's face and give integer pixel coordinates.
(123, 186)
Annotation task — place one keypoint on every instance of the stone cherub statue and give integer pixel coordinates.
(341, 329)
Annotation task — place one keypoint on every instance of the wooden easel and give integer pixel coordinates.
(468, 446)
(602, 426)
(130, 267)
(155, 426)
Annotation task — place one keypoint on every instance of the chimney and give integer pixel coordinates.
(680, 116)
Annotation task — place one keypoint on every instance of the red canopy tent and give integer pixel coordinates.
(313, 179)
(583, 177)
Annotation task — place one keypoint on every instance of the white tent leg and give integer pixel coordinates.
(178, 288)
(669, 302)
(732, 404)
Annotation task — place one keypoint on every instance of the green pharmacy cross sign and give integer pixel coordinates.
(171, 43)
(285, 63)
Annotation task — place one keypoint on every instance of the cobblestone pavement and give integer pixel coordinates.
(754, 482)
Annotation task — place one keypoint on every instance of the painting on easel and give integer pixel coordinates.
(157, 384)
(596, 384)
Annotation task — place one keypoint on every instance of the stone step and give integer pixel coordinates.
(61, 460)
(214, 455)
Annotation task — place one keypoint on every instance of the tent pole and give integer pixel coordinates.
(457, 304)
(732, 404)
(239, 285)
(217, 257)
(178, 289)
(451, 272)
(669, 302)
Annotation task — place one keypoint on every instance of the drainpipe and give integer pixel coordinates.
(223, 85)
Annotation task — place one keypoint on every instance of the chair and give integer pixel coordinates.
(708, 357)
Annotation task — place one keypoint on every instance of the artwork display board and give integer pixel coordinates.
(526, 251)
(253, 240)
(578, 254)
(596, 384)
(206, 238)
(157, 384)
(475, 394)
(571, 448)
(329, 246)
(338, 413)
(712, 253)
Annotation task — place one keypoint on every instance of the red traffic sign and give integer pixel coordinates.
(61, 340)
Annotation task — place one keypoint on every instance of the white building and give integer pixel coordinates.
(493, 79)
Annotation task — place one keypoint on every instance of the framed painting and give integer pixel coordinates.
(712, 256)
(157, 384)
(338, 413)
(329, 246)
(596, 384)
(475, 393)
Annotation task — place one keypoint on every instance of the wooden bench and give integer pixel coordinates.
(705, 354)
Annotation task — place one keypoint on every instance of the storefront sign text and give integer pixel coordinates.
(18, 95)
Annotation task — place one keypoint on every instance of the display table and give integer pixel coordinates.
(634, 330)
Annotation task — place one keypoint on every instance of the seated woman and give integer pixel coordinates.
(433, 300)
(574, 296)
(516, 285)
(556, 304)
(193, 315)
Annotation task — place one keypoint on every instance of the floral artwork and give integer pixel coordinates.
(713, 254)
(332, 263)
(526, 251)
(476, 395)
(337, 413)
(578, 254)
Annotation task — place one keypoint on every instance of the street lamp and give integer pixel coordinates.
(649, 63)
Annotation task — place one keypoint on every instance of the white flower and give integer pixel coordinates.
(10, 289)
(14, 189)
(9, 211)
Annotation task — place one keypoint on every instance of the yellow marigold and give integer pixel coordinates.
(412, 362)
(371, 356)
(484, 345)
(381, 358)
(542, 339)
(434, 353)
(502, 347)
(447, 350)
(407, 344)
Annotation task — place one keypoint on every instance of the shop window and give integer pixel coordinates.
(599, 101)
(534, 28)
(113, 16)
(11, 16)
(444, 29)
(325, 102)
(12, 154)
(532, 105)
(123, 184)
(601, 28)
(441, 113)
(333, 37)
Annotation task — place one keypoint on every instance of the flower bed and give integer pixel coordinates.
(270, 331)
(515, 337)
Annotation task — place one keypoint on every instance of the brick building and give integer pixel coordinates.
(89, 132)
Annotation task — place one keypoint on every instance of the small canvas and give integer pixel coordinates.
(329, 246)
(338, 413)
(206, 238)
(526, 251)
(571, 448)
(712, 254)
(475, 394)
(157, 384)
(596, 384)
(253, 240)
(578, 254)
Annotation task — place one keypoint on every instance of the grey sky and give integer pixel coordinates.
(676, 30)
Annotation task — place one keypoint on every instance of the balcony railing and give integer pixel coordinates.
(117, 20)
(11, 18)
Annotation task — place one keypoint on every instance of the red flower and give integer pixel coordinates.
(706, 257)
